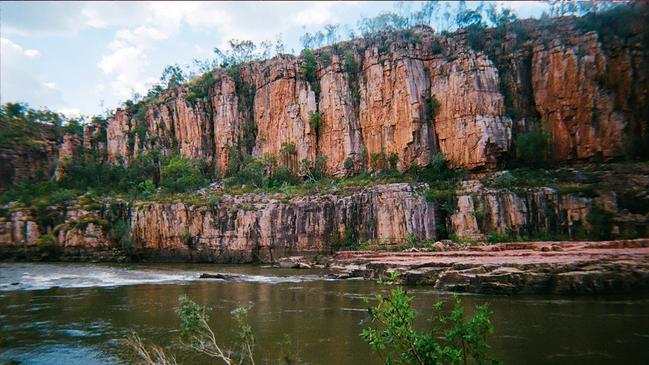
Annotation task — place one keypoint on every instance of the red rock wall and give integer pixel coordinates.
(589, 96)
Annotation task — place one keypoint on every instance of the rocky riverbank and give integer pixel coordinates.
(512, 268)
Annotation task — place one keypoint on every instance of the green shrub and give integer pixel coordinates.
(393, 160)
(253, 173)
(181, 175)
(432, 108)
(461, 239)
(143, 190)
(48, 245)
(73, 126)
(315, 121)
(313, 170)
(495, 237)
(348, 165)
(283, 176)
(120, 234)
(27, 127)
(436, 47)
(452, 339)
(356, 96)
(213, 201)
(199, 88)
(479, 213)
(532, 149)
(601, 223)
(577, 188)
(198, 337)
(350, 64)
(308, 70)
(475, 37)
(438, 163)
(411, 241)
(505, 180)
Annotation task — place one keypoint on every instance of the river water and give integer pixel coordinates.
(76, 314)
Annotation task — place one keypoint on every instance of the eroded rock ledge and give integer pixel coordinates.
(513, 268)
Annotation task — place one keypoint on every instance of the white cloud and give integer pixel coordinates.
(142, 36)
(195, 14)
(93, 19)
(70, 112)
(9, 46)
(114, 14)
(22, 79)
(128, 66)
(319, 14)
(32, 53)
(128, 61)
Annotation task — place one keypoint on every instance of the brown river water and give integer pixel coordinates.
(76, 314)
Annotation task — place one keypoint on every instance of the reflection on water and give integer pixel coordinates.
(86, 308)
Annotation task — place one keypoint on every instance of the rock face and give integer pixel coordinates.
(568, 79)
(83, 229)
(546, 212)
(372, 105)
(392, 108)
(375, 98)
(118, 146)
(191, 124)
(243, 228)
(471, 127)
(283, 104)
(258, 227)
(390, 99)
(228, 120)
(340, 137)
(25, 161)
(264, 227)
(66, 152)
(19, 229)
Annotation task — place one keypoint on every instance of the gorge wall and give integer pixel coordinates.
(265, 227)
(403, 96)
(237, 228)
(407, 94)
(410, 94)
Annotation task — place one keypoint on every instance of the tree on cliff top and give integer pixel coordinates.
(172, 76)
(241, 51)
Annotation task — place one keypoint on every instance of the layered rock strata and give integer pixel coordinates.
(514, 268)
(243, 228)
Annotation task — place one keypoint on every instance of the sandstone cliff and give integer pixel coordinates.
(374, 98)
(243, 228)
(397, 96)
(240, 228)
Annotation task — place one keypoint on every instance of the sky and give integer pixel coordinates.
(88, 57)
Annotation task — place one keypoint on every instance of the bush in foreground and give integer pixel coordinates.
(451, 340)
